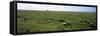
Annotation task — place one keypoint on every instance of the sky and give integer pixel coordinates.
(27, 6)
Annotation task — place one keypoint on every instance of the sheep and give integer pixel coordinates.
(93, 25)
(48, 21)
(67, 24)
(90, 23)
(61, 20)
(81, 20)
(87, 21)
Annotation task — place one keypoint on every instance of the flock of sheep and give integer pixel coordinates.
(65, 23)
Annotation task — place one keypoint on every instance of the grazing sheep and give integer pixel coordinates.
(81, 20)
(87, 21)
(93, 25)
(66, 24)
(48, 21)
(90, 23)
(61, 20)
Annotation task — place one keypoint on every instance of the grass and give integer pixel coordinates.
(37, 21)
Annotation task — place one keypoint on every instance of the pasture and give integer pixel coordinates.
(44, 21)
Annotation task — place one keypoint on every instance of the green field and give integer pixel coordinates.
(37, 21)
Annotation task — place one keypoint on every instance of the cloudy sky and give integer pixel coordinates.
(26, 6)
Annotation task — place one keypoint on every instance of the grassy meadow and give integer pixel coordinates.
(44, 21)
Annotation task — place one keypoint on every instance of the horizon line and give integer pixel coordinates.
(54, 10)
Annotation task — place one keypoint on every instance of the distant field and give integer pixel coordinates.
(43, 21)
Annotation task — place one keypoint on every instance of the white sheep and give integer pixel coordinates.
(66, 24)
